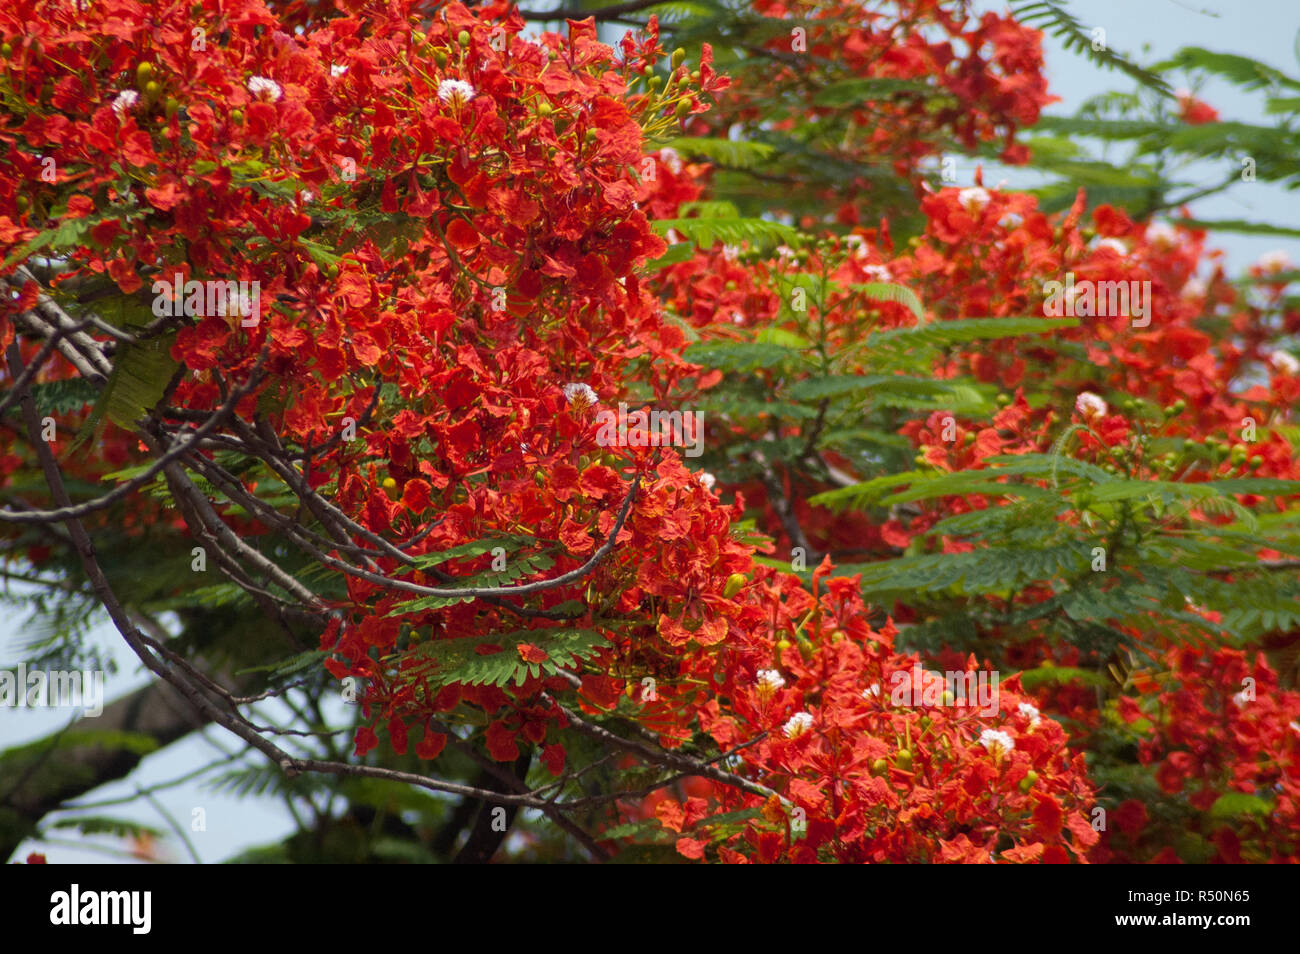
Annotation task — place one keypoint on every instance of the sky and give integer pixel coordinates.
(1148, 30)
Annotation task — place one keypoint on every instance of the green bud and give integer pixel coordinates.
(463, 38)
(679, 55)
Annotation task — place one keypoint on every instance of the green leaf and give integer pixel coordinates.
(742, 356)
(68, 234)
(891, 292)
(759, 233)
(1237, 804)
(62, 396)
(1032, 679)
(104, 825)
(736, 154)
(675, 255)
(858, 91)
(140, 375)
(1240, 225)
(475, 548)
(295, 663)
(458, 660)
(1242, 70)
(1052, 17)
(940, 334)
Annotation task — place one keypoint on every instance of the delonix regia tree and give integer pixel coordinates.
(657, 452)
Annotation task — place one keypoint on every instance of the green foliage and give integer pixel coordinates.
(59, 397)
(1107, 549)
(494, 660)
(1052, 17)
(734, 154)
(705, 231)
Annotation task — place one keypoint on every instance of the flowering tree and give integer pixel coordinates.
(650, 449)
